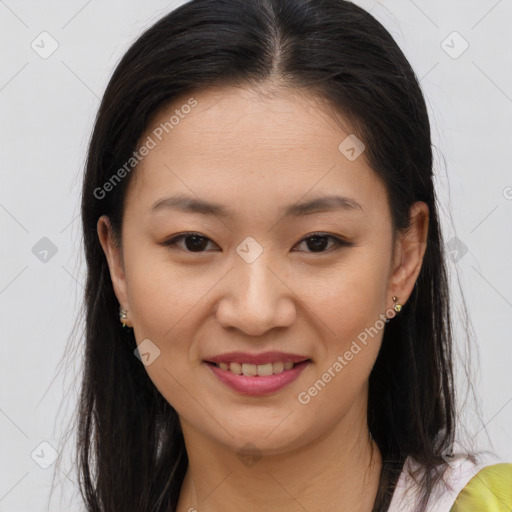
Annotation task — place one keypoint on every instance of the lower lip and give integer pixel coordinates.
(258, 385)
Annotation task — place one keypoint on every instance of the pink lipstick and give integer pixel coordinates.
(257, 374)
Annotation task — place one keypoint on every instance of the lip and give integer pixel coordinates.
(262, 358)
(258, 385)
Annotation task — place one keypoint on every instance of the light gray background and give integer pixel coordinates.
(47, 108)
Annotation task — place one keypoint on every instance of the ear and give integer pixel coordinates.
(409, 252)
(114, 257)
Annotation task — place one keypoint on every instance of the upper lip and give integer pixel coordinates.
(262, 358)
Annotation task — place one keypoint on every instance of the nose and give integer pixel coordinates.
(255, 298)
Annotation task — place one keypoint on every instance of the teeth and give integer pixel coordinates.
(265, 369)
(277, 367)
(249, 369)
(252, 370)
(235, 368)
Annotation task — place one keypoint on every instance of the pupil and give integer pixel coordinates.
(198, 243)
(317, 243)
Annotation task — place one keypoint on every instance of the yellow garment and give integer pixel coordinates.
(490, 490)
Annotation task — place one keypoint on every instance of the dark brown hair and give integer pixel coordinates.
(132, 455)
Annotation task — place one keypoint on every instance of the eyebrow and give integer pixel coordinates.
(320, 204)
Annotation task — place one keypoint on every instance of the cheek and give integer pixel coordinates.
(161, 294)
(348, 308)
(350, 316)
(349, 298)
(165, 303)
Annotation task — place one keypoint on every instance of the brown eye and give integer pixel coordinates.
(318, 242)
(193, 242)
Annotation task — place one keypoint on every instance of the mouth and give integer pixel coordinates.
(257, 374)
(257, 370)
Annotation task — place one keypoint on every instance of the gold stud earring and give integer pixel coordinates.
(397, 307)
(122, 315)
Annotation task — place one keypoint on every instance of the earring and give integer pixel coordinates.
(397, 307)
(122, 315)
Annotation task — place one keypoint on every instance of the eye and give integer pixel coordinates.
(318, 242)
(193, 242)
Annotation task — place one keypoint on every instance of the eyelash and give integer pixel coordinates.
(173, 242)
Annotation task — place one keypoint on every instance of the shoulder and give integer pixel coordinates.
(462, 481)
(490, 490)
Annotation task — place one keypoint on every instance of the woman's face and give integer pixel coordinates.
(279, 264)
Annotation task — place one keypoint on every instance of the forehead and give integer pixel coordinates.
(231, 121)
(255, 143)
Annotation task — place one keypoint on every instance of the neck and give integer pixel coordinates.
(338, 471)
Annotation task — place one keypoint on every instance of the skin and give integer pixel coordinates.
(257, 151)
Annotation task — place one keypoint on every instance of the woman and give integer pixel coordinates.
(268, 322)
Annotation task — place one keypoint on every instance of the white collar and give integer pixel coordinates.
(460, 471)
